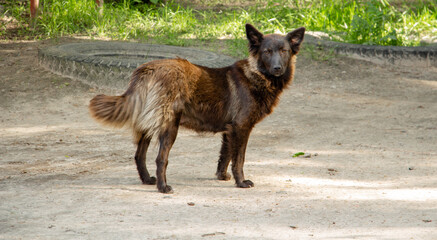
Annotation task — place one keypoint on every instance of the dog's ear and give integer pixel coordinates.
(254, 36)
(295, 38)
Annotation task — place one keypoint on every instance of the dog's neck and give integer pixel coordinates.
(256, 78)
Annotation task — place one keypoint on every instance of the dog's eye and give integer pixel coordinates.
(284, 50)
(267, 51)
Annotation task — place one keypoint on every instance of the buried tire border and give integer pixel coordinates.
(423, 56)
(109, 64)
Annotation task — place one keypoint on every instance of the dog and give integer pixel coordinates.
(165, 94)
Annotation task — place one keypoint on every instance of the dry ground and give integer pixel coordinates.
(371, 130)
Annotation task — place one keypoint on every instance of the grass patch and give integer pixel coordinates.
(376, 22)
(373, 22)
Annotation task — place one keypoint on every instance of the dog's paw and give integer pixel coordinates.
(166, 189)
(150, 181)
(224, 176)
(245, 184)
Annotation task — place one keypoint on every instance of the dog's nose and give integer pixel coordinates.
(277, 68)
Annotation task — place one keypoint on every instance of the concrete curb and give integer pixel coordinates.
(392, 55)
(110, 64)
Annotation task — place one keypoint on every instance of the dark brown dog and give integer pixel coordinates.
(165, 94)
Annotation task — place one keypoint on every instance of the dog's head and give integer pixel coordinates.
(273, 52)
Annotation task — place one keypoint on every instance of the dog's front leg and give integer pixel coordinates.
(225, 159)
(239, 139)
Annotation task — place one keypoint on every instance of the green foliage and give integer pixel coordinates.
(368, 22)
(60, 17)
(298, 154)
(362, 22)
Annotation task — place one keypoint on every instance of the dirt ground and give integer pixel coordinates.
(372, 174)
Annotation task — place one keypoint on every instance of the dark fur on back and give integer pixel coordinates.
(165, 94)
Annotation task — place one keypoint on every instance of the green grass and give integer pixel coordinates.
(373, 22)
(364, 22)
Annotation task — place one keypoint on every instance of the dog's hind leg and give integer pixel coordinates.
(224, 160)
(166, 140)
(140, 159)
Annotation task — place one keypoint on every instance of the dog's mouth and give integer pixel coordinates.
(277, 73)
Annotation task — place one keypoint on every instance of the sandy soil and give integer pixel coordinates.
(372, 174)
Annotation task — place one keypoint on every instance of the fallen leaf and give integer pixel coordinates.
(298, 154)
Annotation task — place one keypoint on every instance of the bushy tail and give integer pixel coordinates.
(111, 110)
(147, 106)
